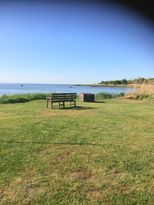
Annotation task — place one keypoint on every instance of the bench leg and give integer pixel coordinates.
(51, 105)
(47, 103)
(63, 104)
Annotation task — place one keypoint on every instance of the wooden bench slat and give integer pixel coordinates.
(62, 98)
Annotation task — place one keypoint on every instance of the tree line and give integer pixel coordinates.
(138, 80)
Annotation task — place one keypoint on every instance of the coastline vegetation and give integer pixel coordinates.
(141, 88)
(123, 83)
(21, 98)
(104, 95)
(136, 81)
(139, 92)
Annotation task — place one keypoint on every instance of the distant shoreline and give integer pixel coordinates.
(108, 85)
(112, 85)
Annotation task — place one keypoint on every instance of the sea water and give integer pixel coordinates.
(16, 88)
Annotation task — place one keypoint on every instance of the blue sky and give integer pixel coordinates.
(49, 43)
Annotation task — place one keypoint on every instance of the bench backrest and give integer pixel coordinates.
(63, 96)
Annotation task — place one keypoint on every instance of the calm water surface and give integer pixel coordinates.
(16, 88)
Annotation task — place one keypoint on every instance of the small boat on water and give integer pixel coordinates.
(21, 85)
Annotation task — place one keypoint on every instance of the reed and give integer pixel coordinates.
(105, 95)
(141, 91)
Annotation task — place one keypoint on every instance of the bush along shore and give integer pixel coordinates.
(21, 98)
(105, 95)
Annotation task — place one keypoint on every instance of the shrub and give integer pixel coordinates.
(21, 98)
(104, 95)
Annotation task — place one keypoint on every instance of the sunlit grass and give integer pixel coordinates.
(98, 153)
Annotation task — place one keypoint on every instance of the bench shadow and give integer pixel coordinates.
(75, 108)
(100, 102)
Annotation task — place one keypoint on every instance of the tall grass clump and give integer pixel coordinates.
(21, 98)
(105, 95)
(142, 91)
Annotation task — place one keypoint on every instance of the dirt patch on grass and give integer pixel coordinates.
(96, 194)
(81, 175)
(152, 190)
(65, 155)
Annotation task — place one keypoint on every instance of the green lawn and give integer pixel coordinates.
(98, 153)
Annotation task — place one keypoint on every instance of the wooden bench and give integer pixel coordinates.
(61, 98)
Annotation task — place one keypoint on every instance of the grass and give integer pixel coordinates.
(98, 153)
